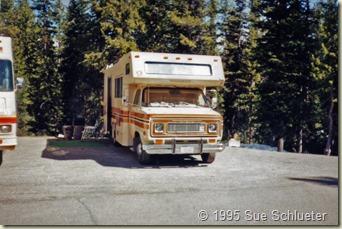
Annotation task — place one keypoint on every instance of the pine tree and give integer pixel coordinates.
(24, 21)
(120, 24)
(190, 32)
(325, 64)
(45, 81)
(6, 18)
(75, 44)
(178, 27)
(239, 90)
(283, 55)
(157, 33)
(211, 12)
(16, 21)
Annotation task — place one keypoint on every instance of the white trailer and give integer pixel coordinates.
(8, 110)
(157, 104)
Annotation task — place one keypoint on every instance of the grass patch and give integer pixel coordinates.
(77, 144)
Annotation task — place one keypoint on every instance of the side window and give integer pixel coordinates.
(128, 69)
(137, 98)
(6, 77)
(118, 87)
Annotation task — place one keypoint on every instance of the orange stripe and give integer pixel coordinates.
(127, 120)
(139, 124)
(129, 115)
(140, 115)
(5, 120)
(118, 110)
(123, 120)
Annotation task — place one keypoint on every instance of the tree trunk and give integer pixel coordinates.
(327, 150)
(250, 135)
(300, 147)
(280, 144)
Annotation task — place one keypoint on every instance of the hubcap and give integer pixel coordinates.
(139, 149)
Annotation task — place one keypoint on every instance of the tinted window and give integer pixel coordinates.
(174, 97)
(137, 98)
(178, 69)
(6, 77)
(118, 87)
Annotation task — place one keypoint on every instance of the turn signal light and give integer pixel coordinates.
(212, 140)
(159, 141)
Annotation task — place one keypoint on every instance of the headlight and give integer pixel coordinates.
(159, 127)
(212, 127)
(5, 129)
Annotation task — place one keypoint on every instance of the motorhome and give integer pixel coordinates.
(8, 111)
(158, 103)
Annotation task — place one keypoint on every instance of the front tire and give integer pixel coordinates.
(208, 157)
(143, 157)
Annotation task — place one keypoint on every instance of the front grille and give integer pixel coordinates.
(185, 127)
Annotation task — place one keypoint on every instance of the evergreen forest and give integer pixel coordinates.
(280, 60)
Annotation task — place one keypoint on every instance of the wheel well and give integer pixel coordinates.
(136, 134)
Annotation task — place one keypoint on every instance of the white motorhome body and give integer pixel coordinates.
(8, 111)
(156, 103)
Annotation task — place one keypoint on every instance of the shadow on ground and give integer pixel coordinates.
(329, 181)
(113, 156)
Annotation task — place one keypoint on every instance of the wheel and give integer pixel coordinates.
(208, 157)
(1, 156)
(143, 157)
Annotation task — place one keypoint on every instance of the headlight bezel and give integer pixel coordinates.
(158, 128)
(5, 129)
(212, 127)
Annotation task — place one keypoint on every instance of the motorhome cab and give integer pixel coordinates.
(8, 112)
(156, 102)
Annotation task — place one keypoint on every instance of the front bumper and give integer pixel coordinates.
(183, 148)
(8, 142)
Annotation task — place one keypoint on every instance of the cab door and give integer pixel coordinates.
(135, 121)
(109, 106)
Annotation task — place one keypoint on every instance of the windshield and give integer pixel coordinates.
(171, 97)
(6, 79)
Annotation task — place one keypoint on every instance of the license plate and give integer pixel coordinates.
(187, 149)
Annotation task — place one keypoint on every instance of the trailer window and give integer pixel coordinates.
(128, 69)
(118, 87)
(6, 77)
(174, 97)
(164, 68)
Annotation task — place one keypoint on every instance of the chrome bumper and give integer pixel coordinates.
(183, 148)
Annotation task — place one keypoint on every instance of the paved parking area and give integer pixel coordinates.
(107, 186)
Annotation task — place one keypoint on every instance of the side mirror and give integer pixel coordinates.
(212, 96)
(20, 83)
(213, 103)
